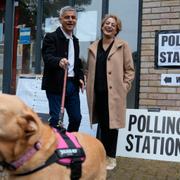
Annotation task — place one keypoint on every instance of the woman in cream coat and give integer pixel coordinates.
(109, 76)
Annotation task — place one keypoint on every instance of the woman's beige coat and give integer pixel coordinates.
(120, 73)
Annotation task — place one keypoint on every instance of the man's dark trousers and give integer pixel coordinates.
(72, 105)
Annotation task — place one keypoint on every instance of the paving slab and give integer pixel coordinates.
(140, 169)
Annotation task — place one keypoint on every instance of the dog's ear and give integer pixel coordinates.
(29, 123)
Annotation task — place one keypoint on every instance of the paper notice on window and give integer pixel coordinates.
(87, 26)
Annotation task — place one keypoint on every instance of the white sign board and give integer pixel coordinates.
(170, 79)
(29, 90)
(168, 48)
(150, 135)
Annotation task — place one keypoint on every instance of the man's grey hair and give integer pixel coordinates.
(64, 9)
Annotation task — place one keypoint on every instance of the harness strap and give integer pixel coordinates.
(67, 140)
(76, 164)
(76, 169)
(52, 159)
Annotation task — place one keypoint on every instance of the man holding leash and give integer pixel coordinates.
(60, 51)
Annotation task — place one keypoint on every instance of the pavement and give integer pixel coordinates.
(140, 169)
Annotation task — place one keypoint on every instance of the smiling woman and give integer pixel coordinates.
(110, 74)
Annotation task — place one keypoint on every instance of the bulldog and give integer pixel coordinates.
(26, 143)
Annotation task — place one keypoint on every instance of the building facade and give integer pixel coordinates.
(157, 16)
(144, 22)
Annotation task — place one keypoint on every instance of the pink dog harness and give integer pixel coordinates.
(68, 152)
(68, 148)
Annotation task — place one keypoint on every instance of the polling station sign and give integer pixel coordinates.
(167, 49)
(150, 135)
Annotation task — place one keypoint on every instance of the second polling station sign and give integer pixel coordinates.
(150, 135)
(167, 49)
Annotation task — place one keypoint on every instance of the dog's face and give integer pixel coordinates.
(18, 127)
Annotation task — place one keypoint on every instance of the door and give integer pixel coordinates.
(128, 13)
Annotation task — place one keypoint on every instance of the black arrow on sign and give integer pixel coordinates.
(167, 79)
(178, 79)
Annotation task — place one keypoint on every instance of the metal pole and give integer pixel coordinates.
(8, 47)
(72, 3)
(138, 65)
(105, 7)
(15, 43)
(38, 37)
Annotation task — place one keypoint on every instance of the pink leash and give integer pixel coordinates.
(61, 115)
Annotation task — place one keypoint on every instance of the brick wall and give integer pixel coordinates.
(157, 15)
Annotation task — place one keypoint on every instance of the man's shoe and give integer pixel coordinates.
(110, 163)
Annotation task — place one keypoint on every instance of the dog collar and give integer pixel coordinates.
(25, 157)
(58, 155)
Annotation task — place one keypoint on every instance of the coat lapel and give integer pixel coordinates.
(93, 48)
(116, 45)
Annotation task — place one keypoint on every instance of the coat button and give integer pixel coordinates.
(110, 87)
(109, 72)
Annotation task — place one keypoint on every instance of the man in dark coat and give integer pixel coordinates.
(60, 51)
